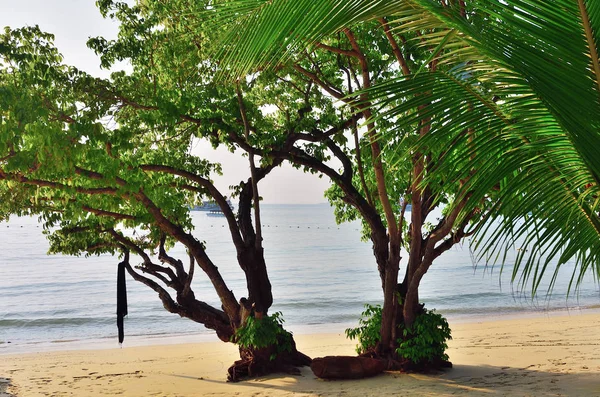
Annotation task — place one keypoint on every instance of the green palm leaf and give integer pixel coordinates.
(271, 32)
(548, 44)
(523, 143)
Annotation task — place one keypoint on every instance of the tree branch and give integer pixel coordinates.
(148, 267)
(445, 226)
(375, 148)
(55, 185)
(333, 92)
(190, 277)
(164, 257)
(214, 192)
(395, 48)
(350, 53)
(115, 215)
(228, 300)
(254, 182)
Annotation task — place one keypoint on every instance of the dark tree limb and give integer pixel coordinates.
(190, 276)
(253, 180)
(214, 192)
(164, 257)
(148, 267)
(228, 300)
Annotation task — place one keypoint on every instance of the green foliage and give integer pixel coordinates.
(367, 332)
(79, 150)
(528, 145)
(265, 332)
(426, 340)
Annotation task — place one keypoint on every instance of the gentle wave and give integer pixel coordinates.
(54, 321)
(319, 277)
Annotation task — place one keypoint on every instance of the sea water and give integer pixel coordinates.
(322, 275)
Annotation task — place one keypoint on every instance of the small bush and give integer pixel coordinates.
(268, 331)
(367, 332)
(425, 341)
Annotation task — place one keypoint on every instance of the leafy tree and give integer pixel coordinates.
(474, 108)
(381, 175)
(537, 132)
(107, 166)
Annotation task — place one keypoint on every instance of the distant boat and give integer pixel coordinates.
(211, 207)
(215, 213)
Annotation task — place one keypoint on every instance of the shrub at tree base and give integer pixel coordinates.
(265, 347)
(367, 333)
(422, 346)
(264, 332)
(425, 341)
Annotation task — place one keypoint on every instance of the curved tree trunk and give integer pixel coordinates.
(257, 279)
(233, 314)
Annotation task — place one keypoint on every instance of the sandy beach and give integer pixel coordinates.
(538, 356)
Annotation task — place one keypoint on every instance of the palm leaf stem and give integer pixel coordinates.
(589, 35)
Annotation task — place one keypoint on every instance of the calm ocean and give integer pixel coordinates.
(322, 275)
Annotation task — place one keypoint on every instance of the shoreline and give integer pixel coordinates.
(544, 355)
(107, 343)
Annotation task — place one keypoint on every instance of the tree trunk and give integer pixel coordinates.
(409, 307)
(257, 279)
(390, 304)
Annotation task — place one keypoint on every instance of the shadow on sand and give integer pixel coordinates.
(467, 380)
(4, 383)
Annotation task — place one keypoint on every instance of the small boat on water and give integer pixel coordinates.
(215, 213)
(210, 207)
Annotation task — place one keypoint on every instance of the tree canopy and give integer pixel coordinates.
(535, 140)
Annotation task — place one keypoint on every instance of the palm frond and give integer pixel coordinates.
(274, 31)
(548, 45)
(516, 148)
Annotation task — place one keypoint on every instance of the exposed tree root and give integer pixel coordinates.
(393, 363)
(347, 367)
(260, 362)
(369, 364)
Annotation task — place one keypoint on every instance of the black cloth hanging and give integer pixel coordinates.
(121, 299)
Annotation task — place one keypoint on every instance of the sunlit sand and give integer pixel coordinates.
(539, 356)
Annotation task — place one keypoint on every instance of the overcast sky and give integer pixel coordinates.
(74, 21)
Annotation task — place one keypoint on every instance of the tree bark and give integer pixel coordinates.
(257, 279)
(251, 256)
(390, 304)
